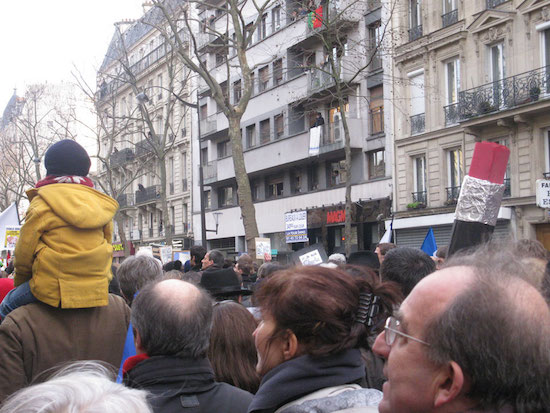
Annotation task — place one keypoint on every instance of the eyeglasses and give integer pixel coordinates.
(391, 332)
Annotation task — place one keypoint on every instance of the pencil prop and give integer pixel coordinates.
(480, 197)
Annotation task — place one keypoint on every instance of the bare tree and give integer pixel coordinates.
(232, 17)
(156, 124)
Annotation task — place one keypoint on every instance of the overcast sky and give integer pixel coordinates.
(41, 40)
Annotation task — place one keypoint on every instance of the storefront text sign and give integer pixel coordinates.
(543, 193)
(335, 217)
(296, 227)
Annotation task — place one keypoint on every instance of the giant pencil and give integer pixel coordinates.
(480, 197)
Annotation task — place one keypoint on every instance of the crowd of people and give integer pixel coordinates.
(390, 330)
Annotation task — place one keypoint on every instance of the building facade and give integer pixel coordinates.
(294, 97)
(469, 71)
(145, 136)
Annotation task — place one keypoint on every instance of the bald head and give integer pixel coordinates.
(173, 318)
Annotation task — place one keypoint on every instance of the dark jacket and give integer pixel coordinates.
(37, 337)
(185, 385)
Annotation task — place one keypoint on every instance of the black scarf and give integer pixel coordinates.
(304, 375)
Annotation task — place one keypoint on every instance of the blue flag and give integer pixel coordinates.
(429, 246)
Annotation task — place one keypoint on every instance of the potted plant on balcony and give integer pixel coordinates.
(534, 93)
(485, 107)
(416, 205)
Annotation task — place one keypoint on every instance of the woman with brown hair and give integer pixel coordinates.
(315, 320)
(232, 352)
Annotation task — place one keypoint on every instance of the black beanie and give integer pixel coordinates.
(67, 157)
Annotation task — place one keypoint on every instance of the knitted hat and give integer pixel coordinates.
(67, 157)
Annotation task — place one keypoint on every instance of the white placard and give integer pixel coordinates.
(166, 254)
(263, 248)
(311, 258)
(543, 193)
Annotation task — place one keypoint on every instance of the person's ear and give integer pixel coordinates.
(290, 345)
(137, 343)
(450, 384)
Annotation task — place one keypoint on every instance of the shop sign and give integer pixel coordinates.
(335, 217)
(296, 227)
(543, 193)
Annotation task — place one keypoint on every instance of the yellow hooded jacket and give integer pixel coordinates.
(64, 248)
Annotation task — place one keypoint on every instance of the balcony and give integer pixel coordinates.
(415, 33)
(125, 200)
(418, 124)
(323, 78)
(210, 172)
(419, 198)
(144, 147)
(504, 94)
(507, 188)
(121, 157)
(449, 18)
(491, 4)
(451, 114)
(151, 193)
(204, 39)
(209, 125)
(453, 193)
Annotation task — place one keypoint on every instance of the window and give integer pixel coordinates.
(204, 156)
(264, 78)
(375, 43)
(454, 170)
(276, 18)
(204, 111)
(265, 131)
(262, 28)
(249, 32)
(377, 164)
(253, 83)
(224, 149)
(225, 89)
(184, 171)
(507, 185)
(220, 57)
(452, 78)
(184, 213)
(277, 71)
(251, 136)
(225, 196)
(172, 217)
(337, 173)
(207, 199)
(419, 173)
(415, 13)
(335, 128)
(296, 181)
(279, 126)
(255, 189)
(417, 99)
(497, 74)
(171, 171)
(275, 187)
(545, 35)
(159, 86)
(237, 91)
(313, 177)
(376, 106)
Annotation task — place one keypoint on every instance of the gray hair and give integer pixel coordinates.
(135, 272)
(217, 257)
(173, 327)
(81, 387)
(495, 333)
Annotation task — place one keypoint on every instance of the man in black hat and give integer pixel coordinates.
(224, 284)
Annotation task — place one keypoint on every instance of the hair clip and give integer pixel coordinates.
(368, 309)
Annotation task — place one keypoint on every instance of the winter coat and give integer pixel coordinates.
(65, 245)
(36, 337)
(185, 385)
(309, 384)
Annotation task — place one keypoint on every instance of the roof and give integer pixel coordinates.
(13, 108)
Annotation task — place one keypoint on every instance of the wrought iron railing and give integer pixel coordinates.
(125, 200)
(415, 33)
(320, 79)
(150, 193)
(420, 197)
(491, 4)
(121, 157)
(144, 147)
(452, 194)
(507, 188)
(450, 18)
(504, 94)
(451, 114)
(418, 123)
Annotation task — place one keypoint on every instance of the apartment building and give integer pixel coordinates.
(467, 71)
(132, 147)
(294, 93)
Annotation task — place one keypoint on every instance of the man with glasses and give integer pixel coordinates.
(473, 337)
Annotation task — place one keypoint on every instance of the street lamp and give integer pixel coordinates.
(216, 221)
